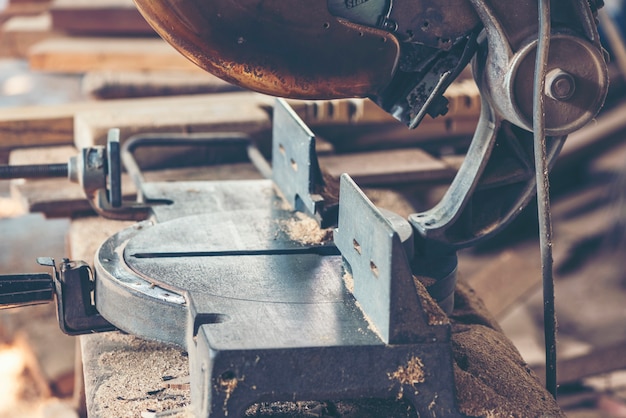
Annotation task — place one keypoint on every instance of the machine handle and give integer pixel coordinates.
(25, 289)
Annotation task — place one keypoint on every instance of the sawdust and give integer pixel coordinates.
(134, 381)
(348, 280)
(330, 189)
(280, 202)
(363, 408)
(305, 230)
(228, 386)
(426, 281)
(434, 313)
(411, 374)
(491, 378)
(370, 324)
(291, 409)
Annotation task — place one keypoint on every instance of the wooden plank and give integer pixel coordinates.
(20, 33)
(47, 155)
(54, 125)
(388, 167)
(131, 84)
(80, 55)
(505, 280)
(32, 126)
(593, 139)
(37, 126)
(99, 17)
(238, 112)
(126, 376)
(599, 361)
(23, 9)
(231, 112)
(14, 2)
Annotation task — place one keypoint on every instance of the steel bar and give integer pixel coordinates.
(543, 193)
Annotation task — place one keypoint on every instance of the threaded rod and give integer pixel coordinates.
(35, 171)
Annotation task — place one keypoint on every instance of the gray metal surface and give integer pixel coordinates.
(277, 321)
(383, 282)
(295, 168)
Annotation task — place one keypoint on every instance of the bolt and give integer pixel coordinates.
(388, 24)
(560, 85)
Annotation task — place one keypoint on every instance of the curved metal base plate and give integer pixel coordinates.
(264, 315)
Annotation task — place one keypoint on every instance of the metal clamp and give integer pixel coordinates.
(73, 287)
(296, 170)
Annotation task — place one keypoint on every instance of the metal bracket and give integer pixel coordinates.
(73, 284)
(379, 264)
(296, 170)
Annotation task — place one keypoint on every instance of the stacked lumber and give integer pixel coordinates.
(99, 17)
(24, 8)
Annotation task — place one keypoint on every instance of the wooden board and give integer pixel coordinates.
(13, 2)
(132, 84)
(595, 138)
(506, 279)
(599, 361)
(37, 125)
(388, 167)
(80, 55)
(99, 17)
(23, 9)
(53, 125)
(20, 33)
(32, 126)
(238, 112)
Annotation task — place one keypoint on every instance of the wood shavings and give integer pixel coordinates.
(133, 379)
(491, 378)
(411, 374)
(348, 280)
(280, 202)
(228, 386)
(426, 281)
(308, 409)
(305, 230)
(370, 324)
(434, 313)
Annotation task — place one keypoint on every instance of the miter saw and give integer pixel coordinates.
(214, 267)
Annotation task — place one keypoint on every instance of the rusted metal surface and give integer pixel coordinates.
(434, 23)
(284, 49)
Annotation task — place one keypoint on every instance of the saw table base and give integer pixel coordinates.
(128, 376)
